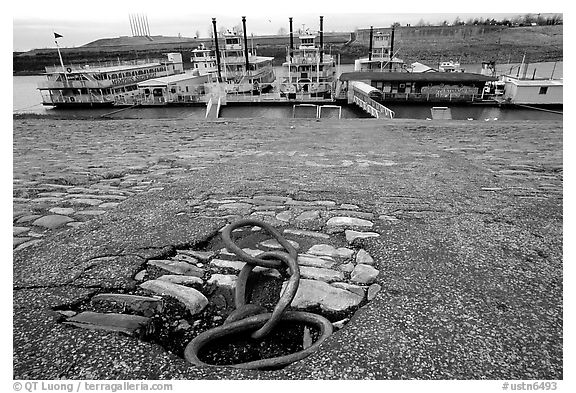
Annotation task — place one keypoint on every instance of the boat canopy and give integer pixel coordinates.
(366, 88)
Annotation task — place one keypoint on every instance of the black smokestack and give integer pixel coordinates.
(291, 39)
(392, 43)
(217, 50)
(321, 37)
(370, 47)
(245, 44)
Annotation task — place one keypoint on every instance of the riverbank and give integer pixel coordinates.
(469, 253)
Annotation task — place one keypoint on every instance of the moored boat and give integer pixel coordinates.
(240, 70)
(310, 71)
(244, 72)
(450, 66)
(380, 55)
(103, 84)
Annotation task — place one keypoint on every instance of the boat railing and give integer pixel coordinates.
(435, 97)
(75, 84)
(104, 64)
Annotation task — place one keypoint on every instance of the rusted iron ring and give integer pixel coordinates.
(285, 298)
(232, 247)
(324, 326)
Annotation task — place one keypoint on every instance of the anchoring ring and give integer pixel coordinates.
(232, 247)
(285, 298)
(194, 346)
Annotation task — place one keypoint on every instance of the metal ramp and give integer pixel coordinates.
(217, 98)
(361, 94)
(213, 108)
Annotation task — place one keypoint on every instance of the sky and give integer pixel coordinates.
(81, 22)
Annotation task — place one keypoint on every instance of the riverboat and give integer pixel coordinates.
(245, 72)
(242, 71)
(310, 71)
(181, 89)
(450, 66)
(204, 61)
(380, 55)
(535, 92)
(103, 84)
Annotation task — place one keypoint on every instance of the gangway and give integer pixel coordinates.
(362, 94)
(217, 98)
(213, 108)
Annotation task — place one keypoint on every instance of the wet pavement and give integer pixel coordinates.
(469, 256)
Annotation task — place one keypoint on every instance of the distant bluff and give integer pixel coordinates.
(429, 44)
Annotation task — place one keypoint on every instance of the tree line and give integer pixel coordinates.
(519, 20)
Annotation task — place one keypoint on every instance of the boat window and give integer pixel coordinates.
(543, 90)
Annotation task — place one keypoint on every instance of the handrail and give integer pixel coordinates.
(372, 107)
(106, 64)
(208, 107)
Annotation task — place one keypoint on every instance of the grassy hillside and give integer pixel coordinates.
(540, 43)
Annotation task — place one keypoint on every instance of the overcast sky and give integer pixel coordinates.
(81, 22)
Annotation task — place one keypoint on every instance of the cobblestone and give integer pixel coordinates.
(470, 211)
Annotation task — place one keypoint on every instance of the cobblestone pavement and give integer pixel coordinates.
(463, 264)
(64, 175)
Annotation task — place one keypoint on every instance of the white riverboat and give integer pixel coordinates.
(310, 71)
(380, 56)
(450, 66)
(242, 72)
(256, 76)
(103, 84)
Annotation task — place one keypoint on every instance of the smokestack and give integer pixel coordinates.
(392, 43)
(370, 46)
(245, 44)
(217, 50)
(321, 37)
(291, 39)
(391, 48)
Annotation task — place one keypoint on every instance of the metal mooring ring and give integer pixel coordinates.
(285, 298)
(232, 247)
(194, 346)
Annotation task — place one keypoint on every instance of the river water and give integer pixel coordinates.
(27, 99)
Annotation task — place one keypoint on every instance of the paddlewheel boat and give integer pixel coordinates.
(255, 77)
(310, 72)
(103, 84)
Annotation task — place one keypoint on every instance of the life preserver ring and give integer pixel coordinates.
(72, 99)
(68, 69)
